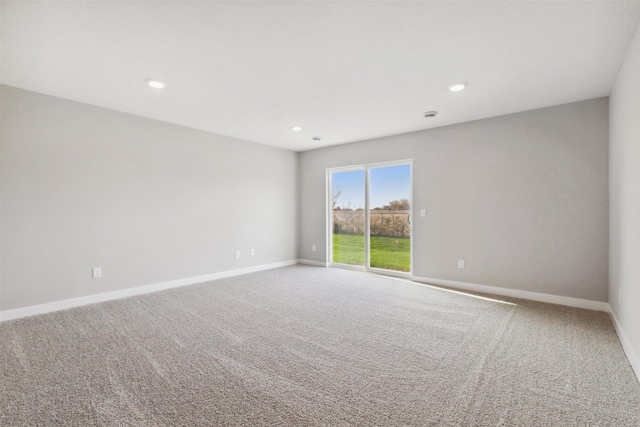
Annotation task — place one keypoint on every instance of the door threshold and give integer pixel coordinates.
(392, 273)
(348, 266)
(378, 271)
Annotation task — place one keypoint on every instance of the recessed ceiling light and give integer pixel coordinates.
(457, 87)
(296, 128)
(430, 114)
(155, 83)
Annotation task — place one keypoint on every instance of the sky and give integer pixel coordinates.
(387, 183)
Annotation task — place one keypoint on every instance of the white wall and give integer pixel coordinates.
(1, 120)
(147, 201)
(521, 198)
(624, 196)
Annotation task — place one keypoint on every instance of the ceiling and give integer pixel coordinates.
(343, 71)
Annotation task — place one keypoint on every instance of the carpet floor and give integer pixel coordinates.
(308, 346)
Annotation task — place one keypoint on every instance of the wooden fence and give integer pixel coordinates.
(382, 223)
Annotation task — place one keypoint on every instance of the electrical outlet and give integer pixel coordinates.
(253, 252)
(313, 248)
(460, 263)
(237, 254)
(423, 213)
(96, 272)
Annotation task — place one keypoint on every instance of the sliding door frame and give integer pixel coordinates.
(404, 274)
(366, 167)
(329, 233)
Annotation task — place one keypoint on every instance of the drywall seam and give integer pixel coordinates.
(124, 293)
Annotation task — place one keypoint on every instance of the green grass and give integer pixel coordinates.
(391, 253)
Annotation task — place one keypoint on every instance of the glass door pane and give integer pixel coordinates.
(390, 217)
(348, 217)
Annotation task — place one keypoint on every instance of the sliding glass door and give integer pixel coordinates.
(348, 217)
(390, 217)
(370, 217)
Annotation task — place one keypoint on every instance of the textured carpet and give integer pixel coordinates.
(305, 346)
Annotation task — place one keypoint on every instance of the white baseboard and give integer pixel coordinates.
(314, 263)
(634, 360)
(124, 293)
(514, 293)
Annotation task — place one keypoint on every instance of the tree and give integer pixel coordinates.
(335, 195)
(398, 205)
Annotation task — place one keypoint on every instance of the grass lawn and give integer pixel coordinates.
(391, 253)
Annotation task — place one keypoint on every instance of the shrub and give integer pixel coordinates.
(383, 223)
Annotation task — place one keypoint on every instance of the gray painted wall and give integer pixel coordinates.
(522, 198)
(624, 193)
(147, 201)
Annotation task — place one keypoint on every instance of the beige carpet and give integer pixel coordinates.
(306, 346)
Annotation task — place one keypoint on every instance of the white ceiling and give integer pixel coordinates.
(344, 71)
